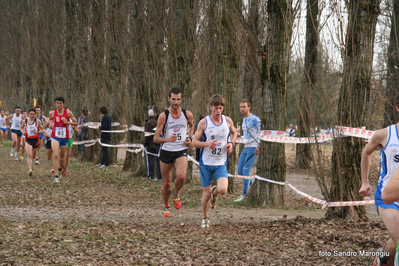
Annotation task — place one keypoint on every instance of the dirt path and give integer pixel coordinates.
(108, 217)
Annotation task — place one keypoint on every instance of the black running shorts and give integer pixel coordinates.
(34, 142)
(170, 156)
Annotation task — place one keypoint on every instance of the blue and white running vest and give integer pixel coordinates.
(217, 156)
(389, 158)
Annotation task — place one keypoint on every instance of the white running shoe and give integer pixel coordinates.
(52, 171)
(37, 162)
(16, 156)
(30, 172)
(240, 198)
(205, 223)
(56, 180)
(12, 152)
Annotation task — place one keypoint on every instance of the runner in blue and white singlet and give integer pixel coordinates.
(389, 163)
(220, 133)
(212, 137)
(388, 139)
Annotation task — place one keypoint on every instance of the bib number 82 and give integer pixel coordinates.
(216, 151)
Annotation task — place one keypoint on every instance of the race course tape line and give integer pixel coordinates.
(316, 200)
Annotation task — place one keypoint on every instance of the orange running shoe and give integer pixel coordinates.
(177, 201)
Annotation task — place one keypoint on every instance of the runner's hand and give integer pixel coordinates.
(212, 144)
(229, 147)
(187, 142)
(173, 138)
(366, 190)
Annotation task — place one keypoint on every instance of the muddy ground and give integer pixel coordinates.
(108, 217)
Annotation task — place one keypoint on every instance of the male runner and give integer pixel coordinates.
(215, 130)
(24, 116)
(31, 128)
(250, 129)
(388, 138)
(173, 125)
(3, 126)
(16, 134)
(42, 119)
(60, 135)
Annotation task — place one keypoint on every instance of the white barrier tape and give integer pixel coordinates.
(125, 145)
(295, 140)
(84, 141)
(91, 144)
(150, 153)
(97, 124)
(136, 150)
(115, 131)
(269, 180)
(136, 128)
(356, 132)
(192, 159)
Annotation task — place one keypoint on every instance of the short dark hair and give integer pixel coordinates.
(85, 111)
(60, 98)
(246, 101)
(217, 100)
(32, 110)
(174, 90)
(104, 110)
(38, 106)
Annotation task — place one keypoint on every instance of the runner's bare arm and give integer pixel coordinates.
(74, 121)
(378, 138)
(41, 130)
(390, 193)
(197, 143)
(22, 128)
(157, 137)
(233, 135)
(190, 119)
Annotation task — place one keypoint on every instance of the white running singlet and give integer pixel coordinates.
(175, 126)
(389, 158)
(3, 123)
(30, 129)
(217, 156)
(16, 122)
(70, 129)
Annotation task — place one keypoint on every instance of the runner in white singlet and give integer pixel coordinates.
(3, 126)
(16, 134)
(176, 137)
(212, 137)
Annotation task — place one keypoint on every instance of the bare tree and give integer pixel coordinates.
(353, 100)
(271, 162)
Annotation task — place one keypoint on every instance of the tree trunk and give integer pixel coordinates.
(391, 115)
(305, 114)
(271, 163)
(352, 106)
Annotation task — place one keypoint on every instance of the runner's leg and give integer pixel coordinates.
(181, 171)
(29, 149)
(55, 147)
(166, 182)
(390, 217)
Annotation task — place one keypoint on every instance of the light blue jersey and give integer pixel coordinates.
(250, 128)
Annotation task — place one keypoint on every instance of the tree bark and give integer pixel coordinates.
(271, 163)
(305, 113)
(352, 106)
(391, 115)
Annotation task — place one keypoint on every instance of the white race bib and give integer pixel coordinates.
(179, 132)
(60, 132)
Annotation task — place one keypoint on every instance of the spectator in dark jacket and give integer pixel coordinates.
(149, 144)
(105, 136)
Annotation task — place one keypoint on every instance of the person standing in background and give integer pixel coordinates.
(105, 136)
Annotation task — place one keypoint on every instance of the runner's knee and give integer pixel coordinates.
(222, 191)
